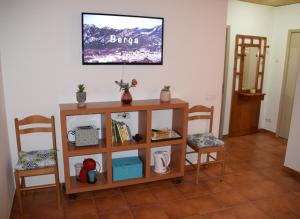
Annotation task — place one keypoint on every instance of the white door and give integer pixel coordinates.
(289, 85)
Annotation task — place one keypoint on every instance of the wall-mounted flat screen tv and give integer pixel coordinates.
(121, 39)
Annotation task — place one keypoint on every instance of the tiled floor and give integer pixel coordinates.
(255, 186)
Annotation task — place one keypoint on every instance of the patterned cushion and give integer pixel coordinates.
(204, 140)
(35, 159)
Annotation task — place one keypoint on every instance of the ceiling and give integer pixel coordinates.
(274, 3)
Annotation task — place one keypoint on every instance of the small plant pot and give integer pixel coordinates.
(165, 96)
(81, 98)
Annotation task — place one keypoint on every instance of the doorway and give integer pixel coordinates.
(224, 86)
(291, 68)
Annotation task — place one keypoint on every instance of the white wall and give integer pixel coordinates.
(249, 19)
(41, 49)
(274, 23)
(6, 174)
(285, 18)
(293, 148)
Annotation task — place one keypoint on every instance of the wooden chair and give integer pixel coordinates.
(35, 163)
(205, 143)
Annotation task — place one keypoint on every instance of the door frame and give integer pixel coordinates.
(284, 78)
(225, 78)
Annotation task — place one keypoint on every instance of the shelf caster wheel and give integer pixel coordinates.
(72, 196)
(178, 180)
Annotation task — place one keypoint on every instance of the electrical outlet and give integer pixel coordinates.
(268, 120)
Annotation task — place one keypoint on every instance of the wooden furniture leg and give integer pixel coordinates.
(223, 165)
(23, 184)
(198, 167)
(207, 160)
(18, 192)
(58, 192)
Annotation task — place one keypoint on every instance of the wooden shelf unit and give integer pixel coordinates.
(106, 147)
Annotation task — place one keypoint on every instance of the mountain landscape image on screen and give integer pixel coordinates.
(128, 45)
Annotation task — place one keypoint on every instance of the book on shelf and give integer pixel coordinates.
(117, 134)
(125, 132)
(129, 132)
(112, 132)
(121, 132)
(164, 135)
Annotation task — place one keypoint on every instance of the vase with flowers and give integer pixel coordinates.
(126, 96)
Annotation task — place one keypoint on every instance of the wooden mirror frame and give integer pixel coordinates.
(241, 42)
(245, 104)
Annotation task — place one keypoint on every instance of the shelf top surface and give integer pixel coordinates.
(118, 106)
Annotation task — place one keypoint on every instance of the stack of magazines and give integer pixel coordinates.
(120, 132)
(164, 134)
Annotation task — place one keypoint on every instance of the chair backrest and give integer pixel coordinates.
(202, 112)
(33, 120)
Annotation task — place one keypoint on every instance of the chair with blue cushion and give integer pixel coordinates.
(36, 162)
(205, 143)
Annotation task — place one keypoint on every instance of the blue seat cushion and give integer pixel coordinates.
(204, 140)
(35, 159)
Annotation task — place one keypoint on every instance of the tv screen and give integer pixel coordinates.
(121, 39)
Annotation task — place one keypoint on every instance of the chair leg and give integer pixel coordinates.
(207, 160)
(23, 185)
(18, 192)
(223, 165)
(58, 191)
(198, 167)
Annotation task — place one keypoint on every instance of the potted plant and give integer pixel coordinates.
(126, 96)
(165, 94)
(81, 95)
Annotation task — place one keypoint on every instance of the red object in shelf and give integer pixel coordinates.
(88, 164)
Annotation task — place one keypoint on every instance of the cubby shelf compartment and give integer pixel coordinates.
(141, 153)
(78, 187)
(105, 147)
(177, 153)
(86, 150)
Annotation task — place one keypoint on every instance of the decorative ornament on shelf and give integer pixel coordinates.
(165, 94)
(126, 96)
(81, 95)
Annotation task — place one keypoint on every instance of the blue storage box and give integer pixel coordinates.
(127, 168)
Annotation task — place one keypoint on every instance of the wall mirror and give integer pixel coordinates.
(249, 64)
